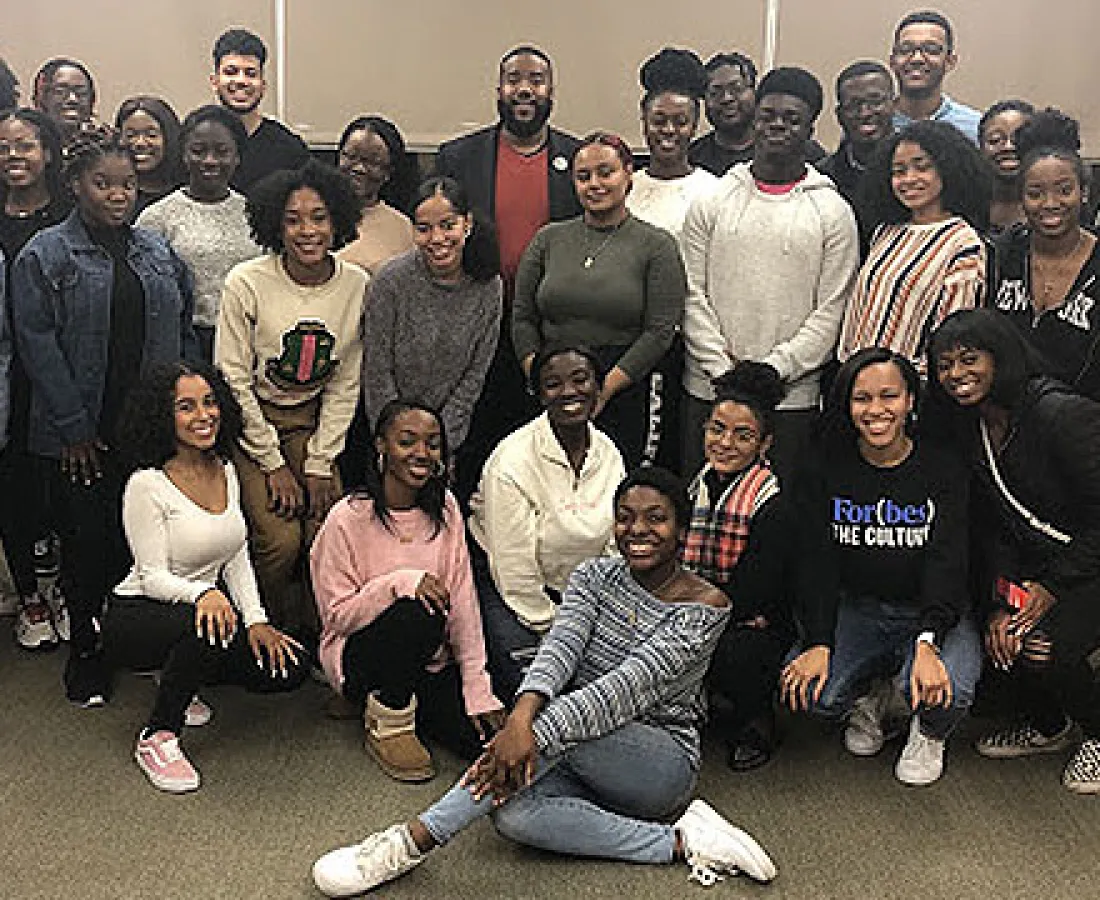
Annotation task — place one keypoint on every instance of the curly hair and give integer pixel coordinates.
(673, 71)
(267, 203)
(50, 139)
(147, 433)
(966, 175)
(88, 146)
(481, 252)
(1051, 133)
(755, 385)
(169, 167)
(398, 189)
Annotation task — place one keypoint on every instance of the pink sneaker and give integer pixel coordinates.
(159, 756)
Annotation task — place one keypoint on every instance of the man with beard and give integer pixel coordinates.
(922, 55)
(730, 104)
(238, 82)
(864, 108)
(517, 173)
(771, 257)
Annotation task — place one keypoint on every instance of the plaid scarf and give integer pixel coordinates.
(719, 531)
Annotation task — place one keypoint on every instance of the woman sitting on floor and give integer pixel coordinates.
(543, 507)
(883, 574)
(391, 575)
(189, 606)
(735, 541)
(615, 691)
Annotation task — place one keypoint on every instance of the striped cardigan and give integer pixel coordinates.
(617, 654)
(914, 277)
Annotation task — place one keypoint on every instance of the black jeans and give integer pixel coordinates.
(745, 670)
(94, 553)
(389, 656)
(143, 635)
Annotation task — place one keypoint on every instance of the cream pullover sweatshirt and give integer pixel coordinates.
(769, 276)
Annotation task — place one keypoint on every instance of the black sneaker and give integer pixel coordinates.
(86, 680)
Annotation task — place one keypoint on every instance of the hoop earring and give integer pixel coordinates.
(440, 469)
(381, 462)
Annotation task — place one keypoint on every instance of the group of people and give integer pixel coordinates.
(421, 435)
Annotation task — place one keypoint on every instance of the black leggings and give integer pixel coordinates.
(389, 656)
(143, 635)
(745, 670)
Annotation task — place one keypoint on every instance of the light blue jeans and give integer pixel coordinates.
(876, 639)
(597, 799)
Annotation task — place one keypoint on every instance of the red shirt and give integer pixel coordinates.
(522, 204)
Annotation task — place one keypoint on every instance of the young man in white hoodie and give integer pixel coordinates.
(771, 258)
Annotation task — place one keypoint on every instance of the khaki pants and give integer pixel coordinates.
(280, 547)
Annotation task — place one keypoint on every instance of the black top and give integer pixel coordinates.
(472, 161)
(847, 174)
(897, 535)
(270, 147)
(15, 231)
(707, 153)
(1065, 335)
(127, 335)
(1051, 464)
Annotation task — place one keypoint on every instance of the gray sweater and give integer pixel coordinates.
(428, 341)
(631, 296)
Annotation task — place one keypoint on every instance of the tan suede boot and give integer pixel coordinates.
(392, 741)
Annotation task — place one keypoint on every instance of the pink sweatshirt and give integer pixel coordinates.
(359, 568)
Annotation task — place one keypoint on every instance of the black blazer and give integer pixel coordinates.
(472, 161)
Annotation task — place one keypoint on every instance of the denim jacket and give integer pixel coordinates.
(61, 287)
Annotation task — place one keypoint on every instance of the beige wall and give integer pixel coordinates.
(430, 64)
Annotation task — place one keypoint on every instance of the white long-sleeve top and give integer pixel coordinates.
(181, 550)
(537, 519)
(769, 277)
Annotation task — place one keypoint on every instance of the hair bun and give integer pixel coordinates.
(753, 380)
(674, 70)
(1051, 129)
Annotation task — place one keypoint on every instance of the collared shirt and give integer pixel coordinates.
(963, 117)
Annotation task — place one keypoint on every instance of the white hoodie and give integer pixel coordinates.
(769, 277)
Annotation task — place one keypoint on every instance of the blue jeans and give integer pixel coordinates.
(590, 801)
(876, 639)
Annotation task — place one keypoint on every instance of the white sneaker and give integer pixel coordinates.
(921, 760)
(59, 610)
(864, 735)
(713, 847)
(34, 628)
(198, 714)
(382, 857)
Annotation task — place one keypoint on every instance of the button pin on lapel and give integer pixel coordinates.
(560, 163)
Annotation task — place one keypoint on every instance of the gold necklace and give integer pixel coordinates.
(590, 259)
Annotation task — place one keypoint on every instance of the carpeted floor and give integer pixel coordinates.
(281, 784)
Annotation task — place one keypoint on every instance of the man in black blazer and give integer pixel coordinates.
(518, 175)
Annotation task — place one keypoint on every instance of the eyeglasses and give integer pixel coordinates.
(927, 49)
(19, 148)
(63, 91)
(368, 162)
(855, 105)
(741, 435)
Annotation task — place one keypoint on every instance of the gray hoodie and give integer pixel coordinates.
(769, 276)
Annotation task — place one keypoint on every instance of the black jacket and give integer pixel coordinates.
(472, 161)
(1051, 464)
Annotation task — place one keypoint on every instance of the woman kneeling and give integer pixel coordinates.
(191, 587)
